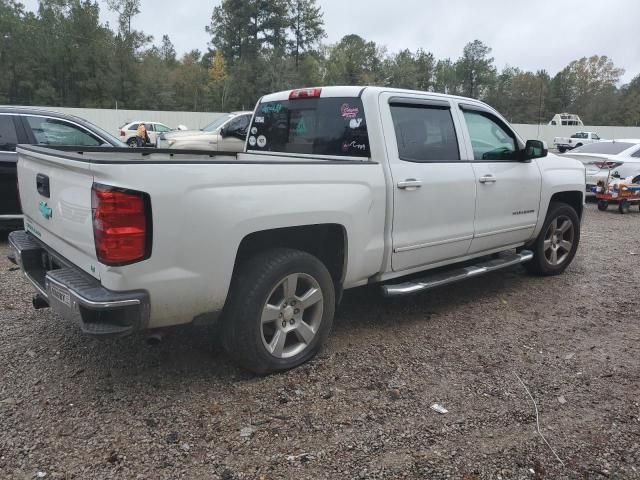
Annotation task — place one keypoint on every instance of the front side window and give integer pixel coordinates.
(162, 128)
(8, 135)
(320, 126)
(424, 133)
(489, 139)
(239, 124)
(50, 131)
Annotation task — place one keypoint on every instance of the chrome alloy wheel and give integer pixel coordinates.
(292, 315)
(558, 240)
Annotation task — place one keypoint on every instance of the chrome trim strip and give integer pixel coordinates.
(11, 217)
(431, 244)
(89, 303)
(506, 230)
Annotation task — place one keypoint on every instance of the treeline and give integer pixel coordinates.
(62, 55)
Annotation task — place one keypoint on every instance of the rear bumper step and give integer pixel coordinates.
(75, 295)
(456, 275)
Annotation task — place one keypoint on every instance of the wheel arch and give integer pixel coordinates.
(572, 198)
(328, 242)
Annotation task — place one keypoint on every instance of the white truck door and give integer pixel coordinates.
(433, 190)
(508, 189)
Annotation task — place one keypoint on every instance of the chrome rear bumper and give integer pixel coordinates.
(75, 295)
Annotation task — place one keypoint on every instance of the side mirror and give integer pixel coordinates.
(223, 132)
(534, 149)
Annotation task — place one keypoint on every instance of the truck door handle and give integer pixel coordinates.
(410, 184)
(487, 179)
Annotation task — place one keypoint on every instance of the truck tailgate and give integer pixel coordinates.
(56, 201)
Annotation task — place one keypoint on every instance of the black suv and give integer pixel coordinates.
(37, 127)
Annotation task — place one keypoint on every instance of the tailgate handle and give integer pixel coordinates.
(42, 184)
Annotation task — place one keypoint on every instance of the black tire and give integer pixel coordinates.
(603, 205)
(624, 206)
(562, 149)
(255, 284)
(541, 264)
(132, 142)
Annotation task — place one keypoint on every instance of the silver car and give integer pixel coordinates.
(226, 134)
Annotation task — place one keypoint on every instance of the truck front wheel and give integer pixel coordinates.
(280, 310)
(562, 149)
(557, 242)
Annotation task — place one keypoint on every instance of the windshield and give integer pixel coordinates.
(217, 123)
(608, 148)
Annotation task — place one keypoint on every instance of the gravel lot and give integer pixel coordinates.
(76, 407)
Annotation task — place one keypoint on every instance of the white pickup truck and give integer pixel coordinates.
(339, 187)
(576, 140)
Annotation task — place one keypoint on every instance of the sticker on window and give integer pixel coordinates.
(355, 123)
(301, 127)
(259, 120)
(348, 111)
(252, 141)
(262, 141)
(272, 108)
(254, 130)
(348, 146)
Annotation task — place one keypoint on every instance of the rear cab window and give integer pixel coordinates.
(332, 126)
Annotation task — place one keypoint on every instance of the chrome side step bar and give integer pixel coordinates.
(439, 279)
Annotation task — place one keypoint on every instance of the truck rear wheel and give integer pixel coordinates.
(557, 243)
(562, 149)
(280, 310)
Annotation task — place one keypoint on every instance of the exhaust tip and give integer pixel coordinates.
(39, 302)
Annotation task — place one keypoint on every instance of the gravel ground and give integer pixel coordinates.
(77, 407)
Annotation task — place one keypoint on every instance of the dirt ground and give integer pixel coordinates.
(77, 407)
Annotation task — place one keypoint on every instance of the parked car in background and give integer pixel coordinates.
(225, 134)
(608, 157)
(566, 119)
(39, 127)
(578, 139)
(128, 131)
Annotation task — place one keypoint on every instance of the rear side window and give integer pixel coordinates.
(318, 126)
(133, 126)
(424, 133)
(8, 135)
(50, 131)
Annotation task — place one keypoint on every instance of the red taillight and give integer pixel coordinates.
(121, 225)
(122, 134)
(305, 93)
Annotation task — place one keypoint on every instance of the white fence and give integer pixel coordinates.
(110, 120)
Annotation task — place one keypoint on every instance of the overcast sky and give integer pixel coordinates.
(531, 35)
